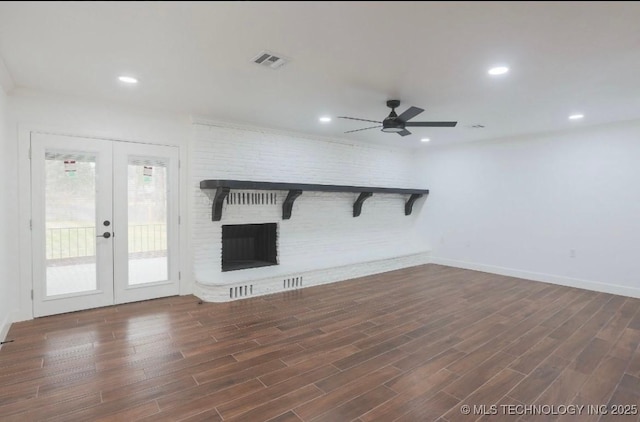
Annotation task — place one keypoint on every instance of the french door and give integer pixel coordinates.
(104, 222)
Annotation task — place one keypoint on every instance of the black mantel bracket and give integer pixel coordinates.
(408, 206)
(287, 205)
(223, 187)
(357, 206)
(221, 194)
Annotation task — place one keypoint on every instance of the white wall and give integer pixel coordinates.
(520, 206)
(322, 232)
(73, 116)
(8, 271)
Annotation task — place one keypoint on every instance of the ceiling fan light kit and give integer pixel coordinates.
(398, 124)
(392, 129)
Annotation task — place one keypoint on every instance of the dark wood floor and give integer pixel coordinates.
(411, 345)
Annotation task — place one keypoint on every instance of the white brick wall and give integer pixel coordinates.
(322, 233)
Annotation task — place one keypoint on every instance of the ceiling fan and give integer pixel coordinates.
(398, 124)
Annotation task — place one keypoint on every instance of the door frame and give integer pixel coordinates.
(24, 289)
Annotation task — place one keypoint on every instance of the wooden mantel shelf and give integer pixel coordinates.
(223, 187)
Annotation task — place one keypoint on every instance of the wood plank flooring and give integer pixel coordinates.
(409, 345)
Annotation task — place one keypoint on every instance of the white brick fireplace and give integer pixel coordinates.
(322, 242)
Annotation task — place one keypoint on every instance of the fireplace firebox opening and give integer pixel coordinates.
(249, 246)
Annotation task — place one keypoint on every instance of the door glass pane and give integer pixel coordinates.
(147, 216)
(70, 216)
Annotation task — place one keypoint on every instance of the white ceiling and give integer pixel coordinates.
(348, 58)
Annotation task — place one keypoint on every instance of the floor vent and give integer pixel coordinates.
(292, 283)
(245, 198)
(241, 291)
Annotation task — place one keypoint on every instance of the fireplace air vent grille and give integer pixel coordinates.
(251, 198)
(292, 283)
(241, 291)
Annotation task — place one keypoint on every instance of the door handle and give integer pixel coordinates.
(106, 235)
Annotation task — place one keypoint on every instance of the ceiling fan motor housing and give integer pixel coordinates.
(391, 124)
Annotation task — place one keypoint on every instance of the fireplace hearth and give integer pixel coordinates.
(249, 246)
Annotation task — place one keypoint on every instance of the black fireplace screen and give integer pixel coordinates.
(249, 246)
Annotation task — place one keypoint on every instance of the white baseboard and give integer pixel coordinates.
(4, 327)
(265, 286)
(615, 289)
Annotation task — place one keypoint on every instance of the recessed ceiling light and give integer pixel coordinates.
(325, 119)
(128, 79)
(498, 70)
(576, 116)
(425, 140)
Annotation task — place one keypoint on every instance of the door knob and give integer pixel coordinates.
(106, 235)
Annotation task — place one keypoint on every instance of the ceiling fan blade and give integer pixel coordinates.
(410, 113)
(366, 128)
(362, 120)
(404, 132)
(431, 124)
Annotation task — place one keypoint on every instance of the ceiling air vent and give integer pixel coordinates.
(269, 59)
